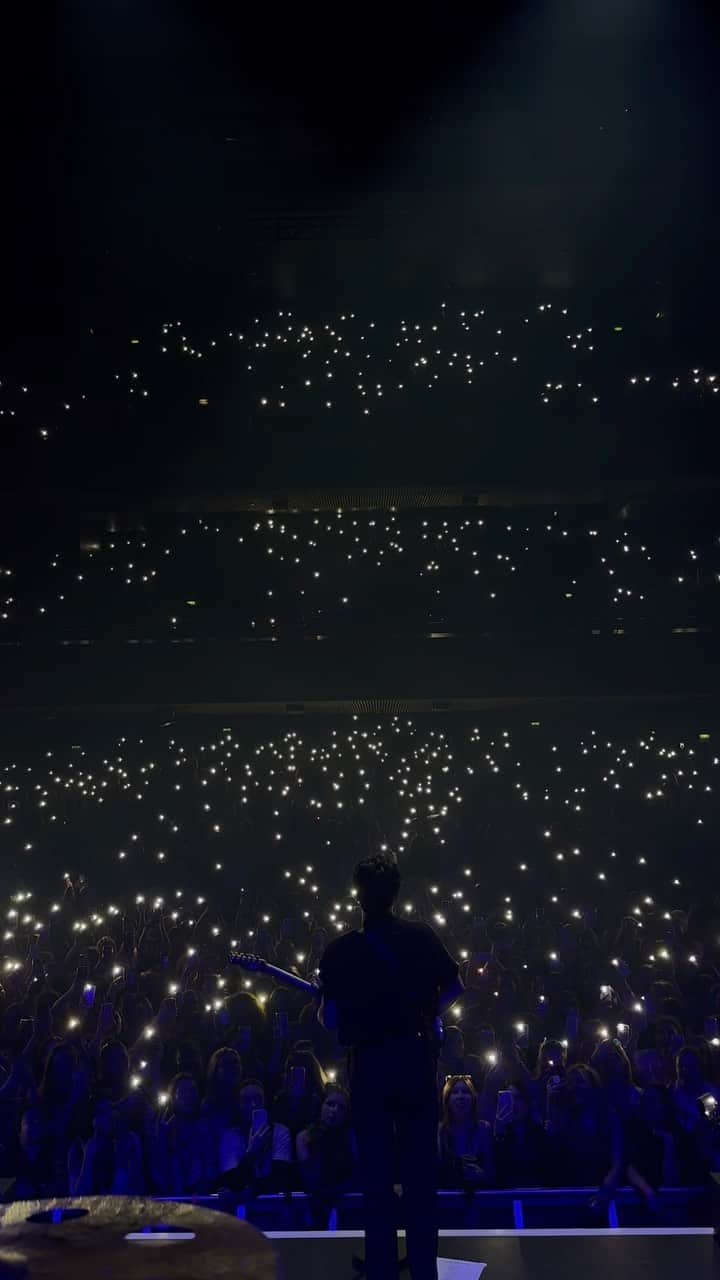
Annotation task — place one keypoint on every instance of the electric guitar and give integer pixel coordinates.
(255, 964)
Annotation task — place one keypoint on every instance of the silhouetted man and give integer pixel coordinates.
(384, 987)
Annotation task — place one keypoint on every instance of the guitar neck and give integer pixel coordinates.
(282, 976)
(292, 980)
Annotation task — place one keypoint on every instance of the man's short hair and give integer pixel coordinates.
(377, 881)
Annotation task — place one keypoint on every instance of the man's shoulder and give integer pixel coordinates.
(414, 926)
(409, 928)
(340, 945)
(416, 930)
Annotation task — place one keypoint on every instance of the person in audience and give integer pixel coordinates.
(165, 1028)
(694, 1103)
(137, 1014)
(108, 1027)
(648, 1068)
(613, 1067)
(42, 1038)
(520, 1142)
(487, 1071)
(327, 1155)
(297, 1103)
(64, 1099)
(255, 1063)
(39, 1174)
(255, 1153)
(583, 1133)
(323, 1041)
(190, 1021)
(666, 1035)
(183, 1162)
(113, 1071)
(464, 1142)
(110, 1161)
(452, 1059)
(115, 1084)
(551, 1063)
(18, 1090)
(221, 1108)
(189, 1061)
(650, 1141)
(691, 1081)
(246, 1011)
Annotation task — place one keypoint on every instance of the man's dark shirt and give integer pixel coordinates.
(377, 1000)
(645, 1150)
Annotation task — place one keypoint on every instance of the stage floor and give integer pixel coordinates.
(635, 1254)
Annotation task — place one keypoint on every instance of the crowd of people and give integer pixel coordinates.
(287, 575)
(136, 1060)
(565, 870)
(540, 372)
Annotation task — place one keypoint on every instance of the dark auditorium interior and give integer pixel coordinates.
(360, 495)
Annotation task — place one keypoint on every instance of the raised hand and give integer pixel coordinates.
(259, 1141)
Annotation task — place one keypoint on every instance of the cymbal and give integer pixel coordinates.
(129, 1238)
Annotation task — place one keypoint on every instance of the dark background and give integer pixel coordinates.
(206, 161)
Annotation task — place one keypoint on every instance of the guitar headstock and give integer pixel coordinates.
(246, 960)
